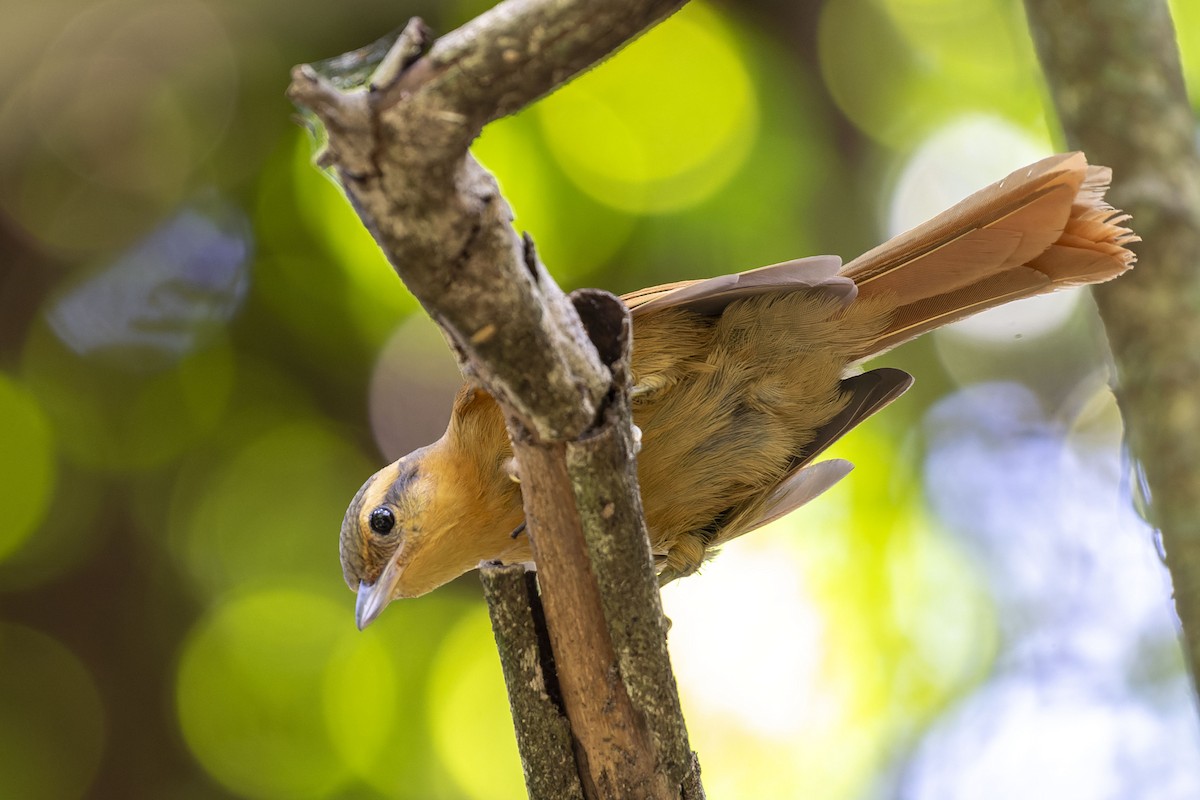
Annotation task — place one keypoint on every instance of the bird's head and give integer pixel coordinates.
(381, 533)
(436, 513)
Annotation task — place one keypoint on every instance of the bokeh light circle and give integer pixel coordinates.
(751, 594)
(111, 117)
(898, 67)
(979, 42)
(1186, 16)
(27, 471)
(573, 232)
(270, 510)
(663, 126)
(412, 387)
(875, 92)
(360, 691)
(110, 419)
(51, 718)
(250, 680)
(469, 717)
(954, 161)
(391, 751)
(376, 294)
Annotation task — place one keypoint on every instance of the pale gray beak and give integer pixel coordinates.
(372, 598)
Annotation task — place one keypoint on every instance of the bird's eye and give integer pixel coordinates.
(382, 520)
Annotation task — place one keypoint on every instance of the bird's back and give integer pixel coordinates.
(727, 403)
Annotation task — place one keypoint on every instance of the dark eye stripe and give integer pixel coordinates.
(395, 493)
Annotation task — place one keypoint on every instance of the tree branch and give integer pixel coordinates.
(399, 148)
(519, 51)
(1119, 90)
(619, 555)
(599, 584)
(544, 740)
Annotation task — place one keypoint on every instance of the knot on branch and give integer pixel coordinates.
(386, 84)
(606, 320)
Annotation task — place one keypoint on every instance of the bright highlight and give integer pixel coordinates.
(665, 125)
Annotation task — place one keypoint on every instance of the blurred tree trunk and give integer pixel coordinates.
(1113, 69)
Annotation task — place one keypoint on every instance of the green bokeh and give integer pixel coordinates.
(51, 550)
(885, 582)
(782, 203)
(109, 419)
(573, 232)
(660, 144)
(469, 719)
(27, 470)
(319, 272)
(1186, 14)
(270, 509)
(249, 689)
(898, 68)
(51, 720)
(375, 294)
(380, 731)
(983, 42)
(941, 616)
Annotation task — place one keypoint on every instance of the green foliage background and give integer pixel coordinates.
(203, 354)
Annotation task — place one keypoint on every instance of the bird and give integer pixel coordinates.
(740, 382)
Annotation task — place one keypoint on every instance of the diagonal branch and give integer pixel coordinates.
(544, 739)
(1113, 67)
(519, 51)
(399, 147)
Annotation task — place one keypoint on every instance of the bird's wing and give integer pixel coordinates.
(869, 393)
(803, 485)
(711, 296)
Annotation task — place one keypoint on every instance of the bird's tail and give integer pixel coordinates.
(1042, 228)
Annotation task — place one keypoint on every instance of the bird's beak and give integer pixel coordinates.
(374, 597)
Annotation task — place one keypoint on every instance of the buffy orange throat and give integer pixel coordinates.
(741, 382)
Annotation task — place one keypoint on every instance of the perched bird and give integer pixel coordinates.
(740, 382)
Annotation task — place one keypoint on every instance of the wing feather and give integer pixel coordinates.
(869, 393)
(711, 296)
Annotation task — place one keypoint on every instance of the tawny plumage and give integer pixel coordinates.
(741, 381)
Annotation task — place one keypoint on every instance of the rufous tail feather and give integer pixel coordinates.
(1042, 228)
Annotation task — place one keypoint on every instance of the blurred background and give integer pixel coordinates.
(203, 354)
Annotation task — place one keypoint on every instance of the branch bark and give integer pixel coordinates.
(544, 740)
(558, 368)
(1113, 69)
